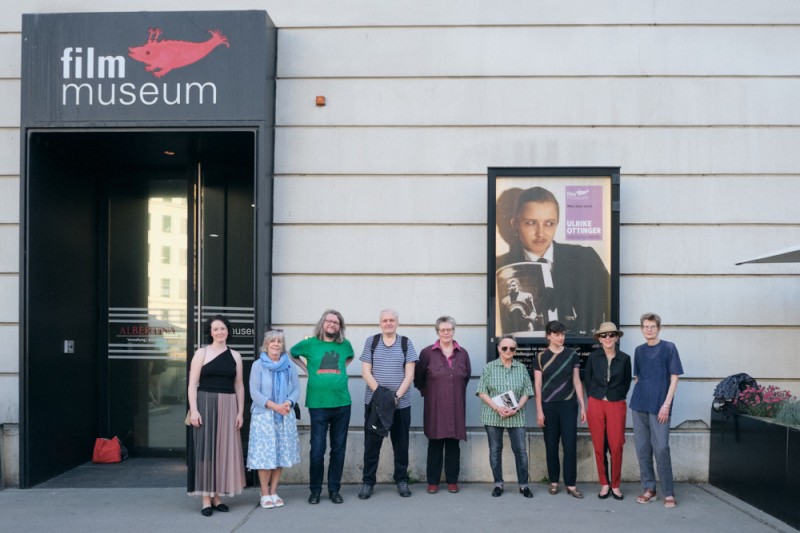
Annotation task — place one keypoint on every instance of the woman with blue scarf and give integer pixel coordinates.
(274, 444)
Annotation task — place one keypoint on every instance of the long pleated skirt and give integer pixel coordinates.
(215, 460)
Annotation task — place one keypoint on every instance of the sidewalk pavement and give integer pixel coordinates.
(701, 508)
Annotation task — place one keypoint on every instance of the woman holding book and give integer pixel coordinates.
(504, 388)
(559, 396)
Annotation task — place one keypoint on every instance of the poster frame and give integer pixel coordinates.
(529, 177)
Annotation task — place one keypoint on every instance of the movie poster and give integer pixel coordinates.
(552, 254)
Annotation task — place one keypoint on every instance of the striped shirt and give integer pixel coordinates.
(497, 379)
(556, 372)
(388, 366)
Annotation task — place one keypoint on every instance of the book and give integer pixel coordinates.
(506, 399)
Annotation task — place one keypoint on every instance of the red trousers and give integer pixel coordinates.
(607, 420)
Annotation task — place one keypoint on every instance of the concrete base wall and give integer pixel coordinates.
(9, 455)
(690, 450)
(689, 458)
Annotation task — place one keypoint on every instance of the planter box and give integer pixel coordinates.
(758, 461)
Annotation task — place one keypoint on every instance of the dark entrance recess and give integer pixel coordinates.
(89, 259)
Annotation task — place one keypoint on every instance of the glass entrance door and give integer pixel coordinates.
(180, 250)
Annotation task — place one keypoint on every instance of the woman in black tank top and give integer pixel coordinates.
(216, 405)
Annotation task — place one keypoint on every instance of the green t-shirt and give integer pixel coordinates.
(327, 371)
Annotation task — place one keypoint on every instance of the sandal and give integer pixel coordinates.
(277, 500)
(266, 502)
(647, 497)
(574, 492)
(553, 489)
(670, 502)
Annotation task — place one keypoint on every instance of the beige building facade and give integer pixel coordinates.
(379, 197)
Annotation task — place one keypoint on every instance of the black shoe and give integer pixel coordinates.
(313, 499)
(604, 496)
(366, 492)
(526, 492)
(402, 488)
(206, 511)
(335, 497)
(222, 508)
(497, 491)
(620, 497)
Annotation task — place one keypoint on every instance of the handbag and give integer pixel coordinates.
(188, 419)
(107, 450)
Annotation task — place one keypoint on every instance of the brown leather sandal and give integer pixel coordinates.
(647, 497)
(670, 502)
(574, 492)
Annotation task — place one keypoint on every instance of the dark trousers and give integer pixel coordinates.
(452, 460)
(335, 420)
(372, 446)
(561, 424)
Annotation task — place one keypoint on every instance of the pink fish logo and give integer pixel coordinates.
(162, 56)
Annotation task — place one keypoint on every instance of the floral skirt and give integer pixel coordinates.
(274, 442)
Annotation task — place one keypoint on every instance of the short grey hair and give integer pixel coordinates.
(508, 336)
(651, 317)
(442, 319)
(390, 311)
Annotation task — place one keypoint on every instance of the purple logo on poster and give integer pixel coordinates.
(584, 213)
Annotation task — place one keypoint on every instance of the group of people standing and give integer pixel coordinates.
(558, 391)
(441, 372)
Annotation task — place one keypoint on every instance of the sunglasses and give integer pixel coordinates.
(607, 335)
(508, 349)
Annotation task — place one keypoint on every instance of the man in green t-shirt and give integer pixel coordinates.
(325, 357)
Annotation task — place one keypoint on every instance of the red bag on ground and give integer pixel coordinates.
(107, 450)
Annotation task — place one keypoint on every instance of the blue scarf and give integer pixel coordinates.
(280, 377)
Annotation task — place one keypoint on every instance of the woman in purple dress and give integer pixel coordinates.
(441, 375)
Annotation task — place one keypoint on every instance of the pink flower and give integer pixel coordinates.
(762, 401)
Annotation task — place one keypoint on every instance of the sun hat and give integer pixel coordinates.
(608, 327)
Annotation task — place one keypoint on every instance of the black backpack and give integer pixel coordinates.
(403, 344)
(727, 391)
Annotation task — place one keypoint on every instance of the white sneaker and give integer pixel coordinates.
(266, 502)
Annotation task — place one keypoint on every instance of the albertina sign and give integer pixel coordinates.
(146, 67)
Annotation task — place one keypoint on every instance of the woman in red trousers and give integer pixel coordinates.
(608, 378)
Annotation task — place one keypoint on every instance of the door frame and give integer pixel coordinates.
(37, 461)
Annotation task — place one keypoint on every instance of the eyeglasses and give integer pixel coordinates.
(511, 349)
(446, 330)
(334, 322)
(649, 327)
(607, 335)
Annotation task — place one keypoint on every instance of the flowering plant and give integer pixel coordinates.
(762, 401)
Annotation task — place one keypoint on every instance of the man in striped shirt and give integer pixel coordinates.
(388, 360)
